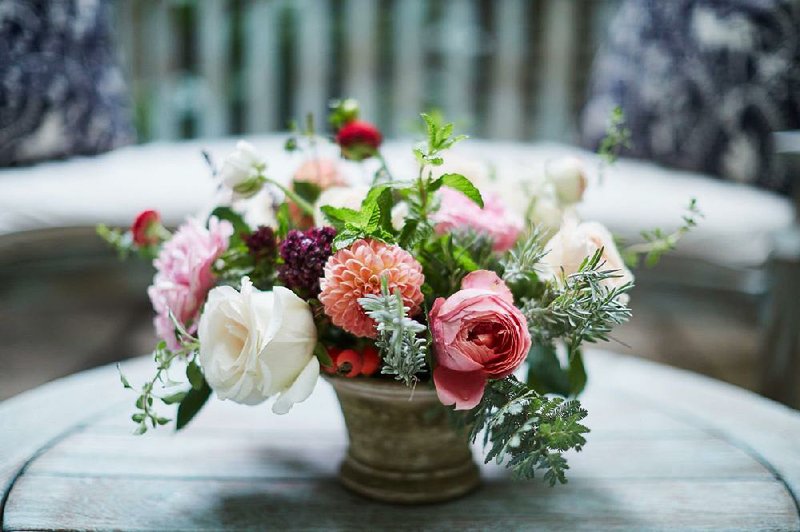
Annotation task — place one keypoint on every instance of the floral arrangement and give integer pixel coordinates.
(429, 279)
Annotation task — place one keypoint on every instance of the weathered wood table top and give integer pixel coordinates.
(668, 450)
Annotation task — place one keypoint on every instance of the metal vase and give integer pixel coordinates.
(403, 447)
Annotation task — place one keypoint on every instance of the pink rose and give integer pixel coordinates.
(183, 275)
(478, 334)
(457, 211)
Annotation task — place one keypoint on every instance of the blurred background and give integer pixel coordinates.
(99, 102)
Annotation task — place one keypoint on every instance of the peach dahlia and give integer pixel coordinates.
(357, 271)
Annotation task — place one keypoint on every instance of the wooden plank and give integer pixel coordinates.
(408, 77)
(505, 98)
(261, 59)
(361, 38)
(459, 42)
(289, 454)
(44, 502)
(312, 57)
(554, 113)
(213, 50)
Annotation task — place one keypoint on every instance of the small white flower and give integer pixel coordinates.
(242, 170)
(256, 344)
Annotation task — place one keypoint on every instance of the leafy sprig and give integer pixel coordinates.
(527, 431)
(657, 243)
(618, 136)
(402, 349)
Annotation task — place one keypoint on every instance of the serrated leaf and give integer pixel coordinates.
(195, 375)
(191, 404)
(462, 184)
(339, 216)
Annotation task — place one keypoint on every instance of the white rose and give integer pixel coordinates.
(568, 178)
(350, 197)
(242, 169)
(257, 344)
(576, 241)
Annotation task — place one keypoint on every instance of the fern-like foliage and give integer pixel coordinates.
(402, 350)
(527, 431)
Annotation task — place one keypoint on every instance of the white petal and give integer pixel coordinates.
(300, 389)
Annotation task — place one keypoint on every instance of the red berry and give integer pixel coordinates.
(333, 352)
(145, 228)
(370, 361)
(348, 363)
(358, 140)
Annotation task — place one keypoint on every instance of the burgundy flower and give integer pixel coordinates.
(304, 255)
(358, 140)
(262, 243)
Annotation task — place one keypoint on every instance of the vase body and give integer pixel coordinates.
(402, 448)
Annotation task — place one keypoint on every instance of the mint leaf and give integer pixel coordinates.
(339, 216)
(460, 183)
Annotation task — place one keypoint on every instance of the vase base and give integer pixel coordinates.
(412, 487)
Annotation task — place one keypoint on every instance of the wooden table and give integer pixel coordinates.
(668, 449)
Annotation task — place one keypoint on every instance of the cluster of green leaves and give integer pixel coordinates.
(657, 242)
(583, 307)
(520, 266)
(189, 401)
(618, 136)
(373, 220)
(122, 242)
(527, 431)
(402, 350)
(447, 258)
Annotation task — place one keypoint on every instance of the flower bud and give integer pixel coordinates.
(568, 178)
(242, 171)
(358, 140)
(147, 229)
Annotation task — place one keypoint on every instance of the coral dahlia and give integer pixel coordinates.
(357, 271)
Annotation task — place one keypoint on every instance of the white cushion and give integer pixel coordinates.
(174, 179)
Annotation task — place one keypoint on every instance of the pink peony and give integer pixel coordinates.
(356, 271)
(183, 275)
(457, 211)
(478, 334)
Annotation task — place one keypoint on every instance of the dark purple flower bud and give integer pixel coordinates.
(304, 255)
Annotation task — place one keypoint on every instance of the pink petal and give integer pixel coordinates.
(488, 280)
(461, 388)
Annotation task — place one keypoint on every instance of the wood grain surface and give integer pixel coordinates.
(668, 450)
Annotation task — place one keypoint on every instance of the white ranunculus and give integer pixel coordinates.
(350, 197)
(568, 178)
(241, 170)
(576, 241)
(256, 344)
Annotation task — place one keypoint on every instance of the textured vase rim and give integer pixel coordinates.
(380, 388)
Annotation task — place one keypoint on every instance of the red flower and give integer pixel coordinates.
(358, 140)
(145, 228)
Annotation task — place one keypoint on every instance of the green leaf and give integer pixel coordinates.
(284, 221)
(339, 216)
(462, 184)
(123, 379)
(545, 374)
(195, 375)
(577, 372)
(138, 417)
(308, 191)
(345, 239)
(173, 398)
(191, 404)
(322, 355)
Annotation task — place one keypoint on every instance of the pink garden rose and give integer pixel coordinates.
(478, 334)
(457, 211)
(183, 275)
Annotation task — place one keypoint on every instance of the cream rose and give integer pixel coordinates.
(350, 197)
(241, 170)
(576, 241)
(256, 344)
